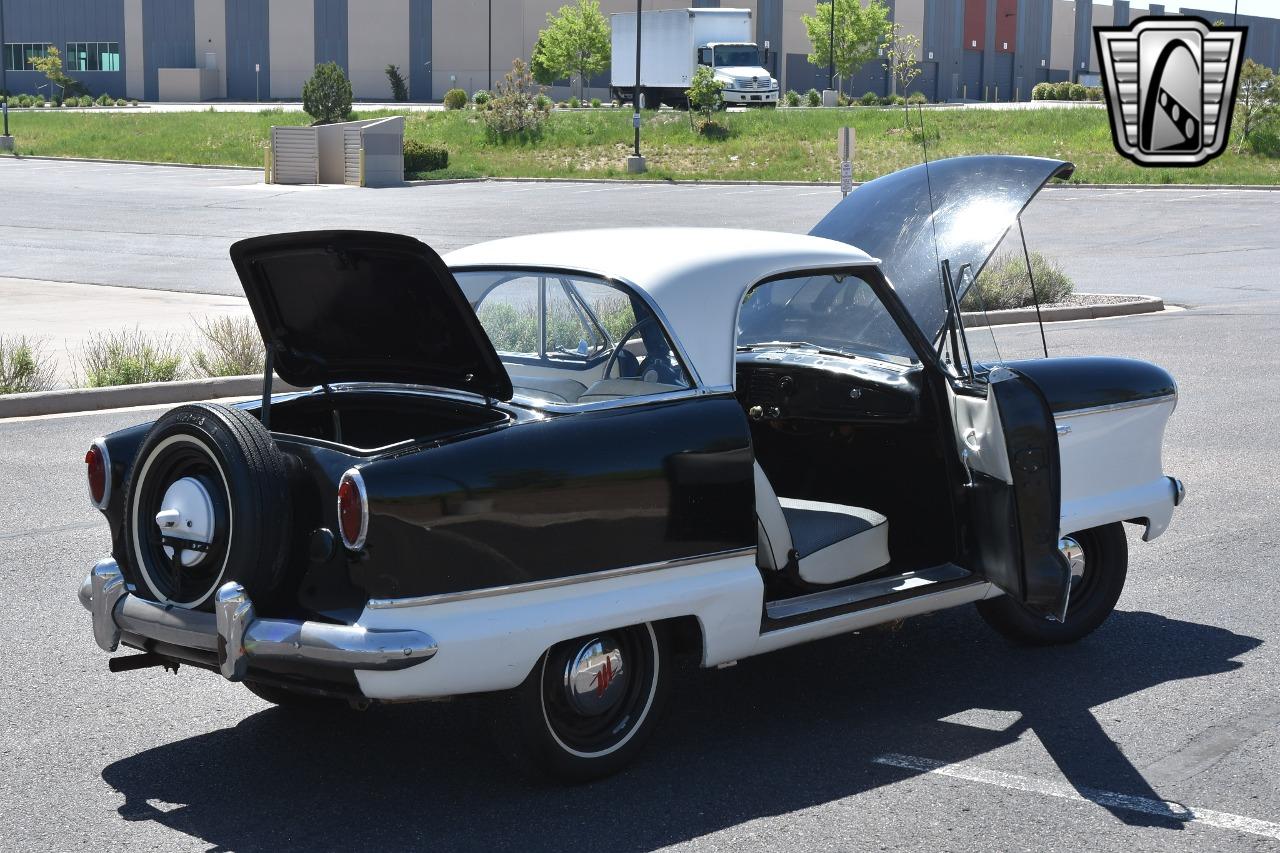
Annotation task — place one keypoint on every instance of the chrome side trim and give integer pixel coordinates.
(1115, 407)
(551, 583)
(854, 594)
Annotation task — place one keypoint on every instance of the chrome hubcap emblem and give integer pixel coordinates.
(1071, 549)
(186, 515)
(595, 678)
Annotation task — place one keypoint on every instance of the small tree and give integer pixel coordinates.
(575, 42)
(1257, 101)
(399, 90)
(705, 96)
(50, 65)
(326, 97)
(902, 61)
(859, 32)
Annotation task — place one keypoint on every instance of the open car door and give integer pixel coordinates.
(925, 222)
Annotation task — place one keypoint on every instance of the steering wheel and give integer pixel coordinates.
(621, 354)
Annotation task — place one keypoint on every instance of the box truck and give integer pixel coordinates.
(674, 42)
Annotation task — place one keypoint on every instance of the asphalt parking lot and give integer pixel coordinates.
(937, 736)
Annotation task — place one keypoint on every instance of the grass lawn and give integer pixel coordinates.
(783, 144)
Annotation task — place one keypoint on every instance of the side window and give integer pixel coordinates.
(570, 329)
(704, 56)
(509, 315)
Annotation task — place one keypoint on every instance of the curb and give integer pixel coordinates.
(135, 162)
(1051, 314)
(123, 396)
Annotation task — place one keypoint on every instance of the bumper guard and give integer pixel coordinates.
(235, 634)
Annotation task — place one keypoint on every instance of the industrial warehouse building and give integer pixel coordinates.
(246, 50)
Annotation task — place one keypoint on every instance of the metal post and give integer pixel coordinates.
(489, 85)
(635, 163)
(831, 50)
(4, 87)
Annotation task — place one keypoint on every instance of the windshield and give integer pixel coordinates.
(736, 54)
(571, 339)
(838, 313)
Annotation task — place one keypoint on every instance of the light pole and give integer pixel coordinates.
(635, 163)
(489, 85)
(6, 141)
(831, 50)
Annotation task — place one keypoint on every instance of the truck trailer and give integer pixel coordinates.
(674, 42)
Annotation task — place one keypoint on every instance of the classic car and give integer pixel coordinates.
(545, 464)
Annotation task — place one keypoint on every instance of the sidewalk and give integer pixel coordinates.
(64, 315)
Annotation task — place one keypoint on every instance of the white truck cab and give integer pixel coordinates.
(674, 42)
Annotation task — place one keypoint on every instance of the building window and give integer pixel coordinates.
(17, 57)
(92, 56)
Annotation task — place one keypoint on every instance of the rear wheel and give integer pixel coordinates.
(1099, 560)
(590, 703)
(206, 502)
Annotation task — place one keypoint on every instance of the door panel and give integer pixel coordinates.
(1009, 444)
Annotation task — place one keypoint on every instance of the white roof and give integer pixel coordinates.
(695, 276)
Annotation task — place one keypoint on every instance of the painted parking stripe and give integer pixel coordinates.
(1061, 790)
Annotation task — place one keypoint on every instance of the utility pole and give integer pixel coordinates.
(635, 163)
(489, 85)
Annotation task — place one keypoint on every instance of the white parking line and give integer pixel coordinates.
(1061, 790)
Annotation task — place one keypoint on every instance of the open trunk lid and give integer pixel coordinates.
(975, 200)
(364, 306)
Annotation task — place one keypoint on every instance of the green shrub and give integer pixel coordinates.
(399, 88)
(869, 99)
(705, 92)
(1062, 90)
(455, 99)
(842, 100)
(813, 97)
(1095, 93)
(897, 100)
(421, 157)
(793, 98)
(1004, 283)
(326, 97)
(542, 102)
(133, 102)
(40, 103)
(513, 114)
(121, 102)
(232, 347)
(1078, 92)
(1041, 91)
(917, 98)
(104, 100)
(1265, 141)
(595, 103)
(574, 103)
(24, 366)
(481, 98)
(128, 357)
(22, 101)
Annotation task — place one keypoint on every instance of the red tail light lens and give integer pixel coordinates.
(353, 510)
(98, 470)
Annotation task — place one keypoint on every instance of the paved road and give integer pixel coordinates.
(1173, 699)
(169, 228)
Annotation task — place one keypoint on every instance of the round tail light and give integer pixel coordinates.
(353, 510)
(98, 470)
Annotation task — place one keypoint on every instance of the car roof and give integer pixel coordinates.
(695, 277)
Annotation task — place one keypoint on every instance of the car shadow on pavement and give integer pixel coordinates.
(776, 734)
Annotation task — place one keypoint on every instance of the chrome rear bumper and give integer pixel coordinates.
(236, 636)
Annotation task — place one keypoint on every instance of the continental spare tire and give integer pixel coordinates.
(207, 501)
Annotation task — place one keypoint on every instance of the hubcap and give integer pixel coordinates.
(186, 521)
(1074, 553)
(595, 678)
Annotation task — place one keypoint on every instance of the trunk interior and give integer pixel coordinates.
(369, 421)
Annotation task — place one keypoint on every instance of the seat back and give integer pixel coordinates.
(773, 534)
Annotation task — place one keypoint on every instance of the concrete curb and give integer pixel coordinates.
(1052, 314)
(136, 162)
(123, 396)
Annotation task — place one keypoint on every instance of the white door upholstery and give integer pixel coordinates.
(832, 542)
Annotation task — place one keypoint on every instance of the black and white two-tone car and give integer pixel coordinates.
(544, 464)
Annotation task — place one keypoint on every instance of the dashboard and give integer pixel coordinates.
(793, 384)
